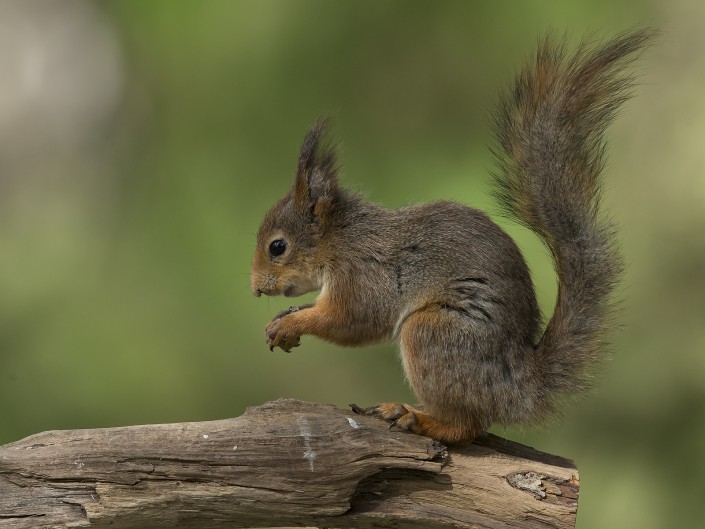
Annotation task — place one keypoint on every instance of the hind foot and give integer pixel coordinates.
(407, 417)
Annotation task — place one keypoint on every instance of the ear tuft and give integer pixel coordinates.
(317, 171)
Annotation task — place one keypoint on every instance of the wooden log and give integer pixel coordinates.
(285, 463)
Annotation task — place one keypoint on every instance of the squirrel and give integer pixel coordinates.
(447, 283)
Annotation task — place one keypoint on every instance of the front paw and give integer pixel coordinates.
(280, 333)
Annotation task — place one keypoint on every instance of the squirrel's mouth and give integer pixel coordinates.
(298, 289)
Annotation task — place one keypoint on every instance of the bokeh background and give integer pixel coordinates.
(142, 142)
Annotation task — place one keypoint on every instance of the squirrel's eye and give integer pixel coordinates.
(277, 247)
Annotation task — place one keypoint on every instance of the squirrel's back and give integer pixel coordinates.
(451, 253)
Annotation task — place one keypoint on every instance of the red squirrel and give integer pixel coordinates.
(443, 280)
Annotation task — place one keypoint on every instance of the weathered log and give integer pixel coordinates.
(285, 463)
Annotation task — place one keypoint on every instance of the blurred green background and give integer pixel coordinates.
(142, 142)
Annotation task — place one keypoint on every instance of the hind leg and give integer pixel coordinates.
(445, 365)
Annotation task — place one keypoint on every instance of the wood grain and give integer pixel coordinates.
(285, 463)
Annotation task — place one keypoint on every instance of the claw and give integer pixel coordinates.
(372, 410)
(389, 411)
(357, 409)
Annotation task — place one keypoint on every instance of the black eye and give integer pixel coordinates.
(277, 247)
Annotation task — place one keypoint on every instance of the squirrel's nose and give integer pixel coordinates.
(255, 285)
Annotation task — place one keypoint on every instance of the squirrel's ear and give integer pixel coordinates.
(316, 185)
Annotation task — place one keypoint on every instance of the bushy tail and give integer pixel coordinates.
(551, 152)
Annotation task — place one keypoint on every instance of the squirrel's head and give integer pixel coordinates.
(289, 257)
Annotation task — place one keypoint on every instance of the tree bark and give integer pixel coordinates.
(285, 463)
